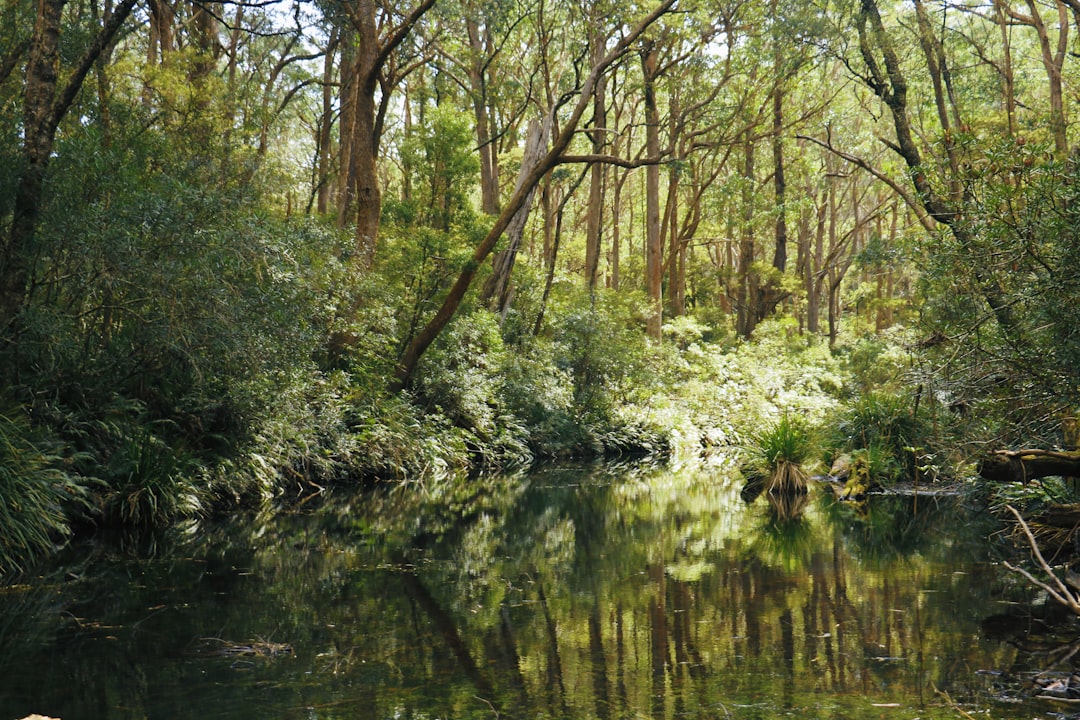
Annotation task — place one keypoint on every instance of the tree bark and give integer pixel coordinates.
(496, 292)
(653, 251)
(746, 297)
(598, 135)
(1053, 60)
(361, 196)
(479, 42)
(326, 124)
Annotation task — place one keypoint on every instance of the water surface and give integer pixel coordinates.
(575, 592)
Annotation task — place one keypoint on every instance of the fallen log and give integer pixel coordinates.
(1023, 465)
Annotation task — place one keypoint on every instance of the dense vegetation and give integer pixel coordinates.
(251, 248)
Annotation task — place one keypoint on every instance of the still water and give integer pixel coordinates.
(580, 592)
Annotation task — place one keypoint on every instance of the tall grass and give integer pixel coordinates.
(886, 428)
(779, 453)
(33, 490)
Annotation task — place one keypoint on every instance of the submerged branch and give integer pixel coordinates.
(1059, 591)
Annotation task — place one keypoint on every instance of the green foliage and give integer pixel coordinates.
(1020, 373)
(599, 343)
(439, 161)
(790, 440)
(880, 430)
(879, 360)
(461, 378)
(153, 483)
(36, 485)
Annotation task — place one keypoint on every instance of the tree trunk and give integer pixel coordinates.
(1024, 465)
(364, 173)
(598, 135)
(1008, 82)
(326, 124)
(489, 159)
(815, 272)
(360, 81)
(496, 293)
(346, 121)
(772, 293)
(746, 297)
(1053, 60)
(653, 251)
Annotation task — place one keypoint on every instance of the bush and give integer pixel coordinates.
(883, 429)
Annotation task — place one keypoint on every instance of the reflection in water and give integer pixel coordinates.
(570, 593)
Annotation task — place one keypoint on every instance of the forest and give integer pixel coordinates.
(254, 248)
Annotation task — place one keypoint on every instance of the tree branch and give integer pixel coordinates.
(925, 220)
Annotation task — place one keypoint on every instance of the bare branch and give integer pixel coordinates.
(1060, 592)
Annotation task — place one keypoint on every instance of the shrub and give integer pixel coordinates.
(885, 427)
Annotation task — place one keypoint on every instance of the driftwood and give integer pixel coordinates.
(1023, 465)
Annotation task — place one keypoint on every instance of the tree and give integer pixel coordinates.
(653, 249)
(372, 34)
(46, 103)
(555, 155)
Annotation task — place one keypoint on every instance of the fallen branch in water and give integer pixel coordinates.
(1059, 590)
(952, 703)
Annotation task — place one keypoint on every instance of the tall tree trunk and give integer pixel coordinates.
(779, 180)
(364, 172)
(669, 235)
(326, 125)
(479, 44)
(598, 135)
(815, 269)
(772, 293)
(1054, 61)
(616, 232)
(746, 294)
(362, 199)
(346, 126)
(653, 250)
(1008, 89)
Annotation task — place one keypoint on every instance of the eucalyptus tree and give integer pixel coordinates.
(376, 57)
(988, 175)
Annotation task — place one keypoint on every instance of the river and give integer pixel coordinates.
(572, 592)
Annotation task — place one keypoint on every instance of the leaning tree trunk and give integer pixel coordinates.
(496, 292)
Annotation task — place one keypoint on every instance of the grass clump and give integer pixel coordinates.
(34, 488)
(881, 430)
(779, 454)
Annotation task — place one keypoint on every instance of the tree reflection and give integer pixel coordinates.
(572, 593)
